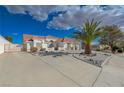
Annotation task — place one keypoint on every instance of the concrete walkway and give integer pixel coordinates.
(112, 74)
(23, 69)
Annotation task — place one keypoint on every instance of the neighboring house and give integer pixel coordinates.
(6, 46)
(104, 47)
(49, 43)
(3, 41)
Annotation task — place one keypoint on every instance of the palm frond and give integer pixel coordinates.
(90, 31)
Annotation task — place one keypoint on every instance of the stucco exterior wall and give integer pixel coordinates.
(1, 48)
(2, 42)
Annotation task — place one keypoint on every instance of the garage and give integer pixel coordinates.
(3, 41)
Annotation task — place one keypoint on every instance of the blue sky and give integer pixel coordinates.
(60, 21)
(16, 25)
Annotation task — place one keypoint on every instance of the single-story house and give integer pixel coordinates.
(49, 43)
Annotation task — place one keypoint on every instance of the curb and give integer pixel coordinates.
(106, 60)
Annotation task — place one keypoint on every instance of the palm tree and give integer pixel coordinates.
(89, 32)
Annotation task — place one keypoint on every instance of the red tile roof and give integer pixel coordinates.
(32, 37)
(29, 37)
(69, 40)
(60, 40)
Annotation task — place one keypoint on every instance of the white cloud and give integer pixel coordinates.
(107, 14)
(38, 12)
(75, 16)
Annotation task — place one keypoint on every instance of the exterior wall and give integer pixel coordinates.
(65, 46)
(2, 43)
(44, 45)
(24, 47)
(35, 42)
(28, 47)
(51, 39)
(43, 42)
(12, 48)
(38, 44)
(1, 48)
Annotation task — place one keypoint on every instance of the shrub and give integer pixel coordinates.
(97, 49)
(106, 48)
(56, 48)
(120, 50)
(42, 49)
(34, 49)
(114, 49)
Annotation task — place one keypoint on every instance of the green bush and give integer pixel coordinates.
(115, 48)
(42, 49)
(97, 49)
(120, 50)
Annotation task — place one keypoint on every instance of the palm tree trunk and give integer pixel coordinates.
(87, 49)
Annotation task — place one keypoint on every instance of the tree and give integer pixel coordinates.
(112, 36)
(9, 38)
(89, 32)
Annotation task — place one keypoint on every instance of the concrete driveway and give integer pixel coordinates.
(23, 69)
